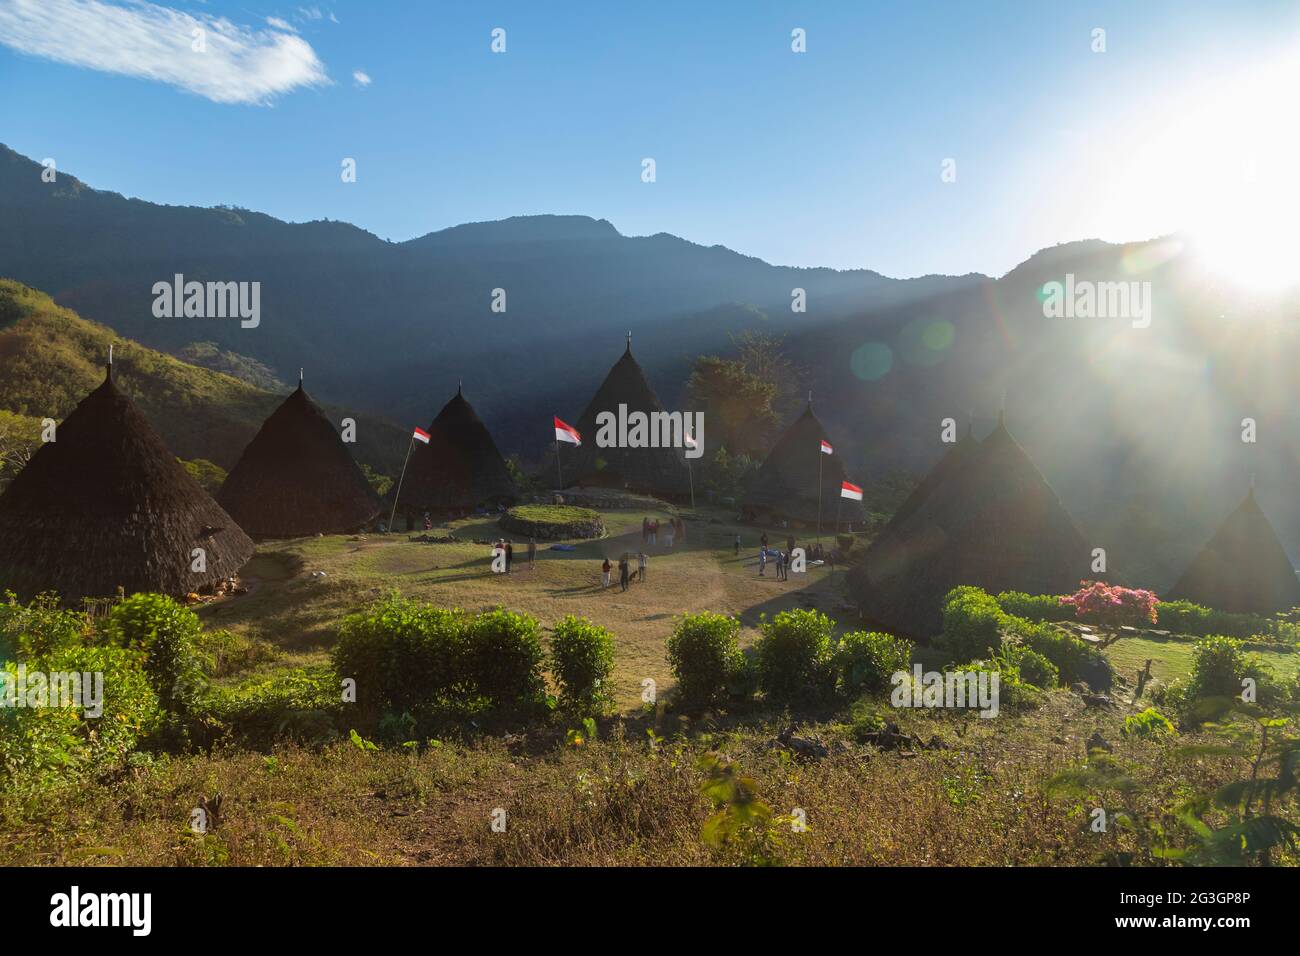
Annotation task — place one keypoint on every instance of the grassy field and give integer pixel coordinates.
(298, 613)
(966, 791)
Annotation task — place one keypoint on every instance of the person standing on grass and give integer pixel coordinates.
(763, 540)
(605, 568)
(428, 522)
(623, 574)
(672, 533)
(762, 561)
(737, 545)
(640, 566)
(789, 545)
(654, 530)
(532, 553)
(510, 555)
(781, 567)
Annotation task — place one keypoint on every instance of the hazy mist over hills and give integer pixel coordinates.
(1138, 429)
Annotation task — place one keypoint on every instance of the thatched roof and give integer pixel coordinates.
(297, 478)
(460, 468)
(653, 471)
(786, 483)
(990, 520)
(949, 464)
(107, 505)
(1243, 569)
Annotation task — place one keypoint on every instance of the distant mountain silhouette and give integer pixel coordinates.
(1138, 430)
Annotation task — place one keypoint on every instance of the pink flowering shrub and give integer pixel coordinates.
(1109, 604)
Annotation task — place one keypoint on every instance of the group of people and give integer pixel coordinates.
(812, 552)
(674, 528)
(625, 573)
(507, 547)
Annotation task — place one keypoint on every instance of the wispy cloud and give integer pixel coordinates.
(235, 64)
(361, 77)
(281, 24)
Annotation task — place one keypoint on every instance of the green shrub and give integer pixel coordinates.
(303, 704)
(1218, 667)
(972, 624)
(504, 659)
(36, 629)
(224, 652)
(404, 656)
(865, 661)
(44, 747)
(794, 654)
(167, 633)
(1184, 617)
(582, 658)
(1149, 723)
(1035, 607)
(1074, 660)
(1036, 669)
(705, 657)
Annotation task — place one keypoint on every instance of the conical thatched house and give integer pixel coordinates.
(107, 505)
(297, 478)
(459, 469)
(1243, 569)
(949, 464)
(786, 484)
(990, 520)
(653, 471)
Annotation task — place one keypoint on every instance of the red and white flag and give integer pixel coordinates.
(826, 448)
(688, 440)
(851, 491)
(567, 433)
(421, 435)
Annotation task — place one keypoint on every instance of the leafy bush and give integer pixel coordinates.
(1184, 617)
(705, 657)
(303, 704)
(36, 629)
(1036, 669)
(794, 655)
(1035, 607)
(1075, 661)
(504, 659)
(167, 633)
(1149, 723)
(864, 661)
(404, 656)
(43, 747)
(972, 624)
(224, 652)
(1110, 604)
(582, 658)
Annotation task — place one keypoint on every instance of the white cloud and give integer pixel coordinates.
(361, 77)
(281, 24)
(136, 38)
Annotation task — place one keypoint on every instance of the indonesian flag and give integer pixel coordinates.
(851, 491)
(567, 433)
(826, 448)
(421, 435)
(690, 442)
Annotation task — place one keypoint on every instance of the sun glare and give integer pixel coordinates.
(1243, 194)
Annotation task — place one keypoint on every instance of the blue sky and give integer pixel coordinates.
(831, 157)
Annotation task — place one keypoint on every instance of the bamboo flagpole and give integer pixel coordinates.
(423, 436)
(568, 434)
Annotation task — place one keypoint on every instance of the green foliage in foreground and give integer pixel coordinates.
(794, 656)
(582, 658)
(704, 654)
